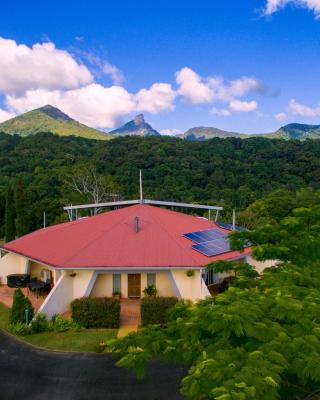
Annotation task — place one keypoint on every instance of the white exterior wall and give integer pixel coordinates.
(12, 264)
(260, 265)
(191, 288)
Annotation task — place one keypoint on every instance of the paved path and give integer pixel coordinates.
(27, 373)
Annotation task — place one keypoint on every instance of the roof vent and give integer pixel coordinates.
(136, 224)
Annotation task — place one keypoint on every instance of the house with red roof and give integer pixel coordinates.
(120, 251)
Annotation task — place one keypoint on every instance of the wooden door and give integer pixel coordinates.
(134, 285)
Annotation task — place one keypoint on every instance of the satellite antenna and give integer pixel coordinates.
(141, 194)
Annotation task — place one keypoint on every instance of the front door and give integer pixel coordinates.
(134, 285)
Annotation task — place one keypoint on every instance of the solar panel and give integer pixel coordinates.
(205, 236)
(213, 248)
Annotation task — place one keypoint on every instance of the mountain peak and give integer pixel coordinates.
(139, 119)
(54, 113)
(138, 127)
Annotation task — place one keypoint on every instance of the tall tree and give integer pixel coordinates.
(22, 220)
(10, 226)
(2, 212)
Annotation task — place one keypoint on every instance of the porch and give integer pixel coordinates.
(6, 297)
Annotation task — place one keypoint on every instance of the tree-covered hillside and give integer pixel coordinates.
(231, 172)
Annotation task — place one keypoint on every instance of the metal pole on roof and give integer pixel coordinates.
(44, 219)
(217, 216)
(209, 214)
(233, 219)
(141, 194)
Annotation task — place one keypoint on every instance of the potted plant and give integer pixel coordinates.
(150, 291)
(116, 295)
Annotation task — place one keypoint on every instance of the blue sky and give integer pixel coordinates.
(247, 66)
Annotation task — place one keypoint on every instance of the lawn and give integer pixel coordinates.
(83, 340)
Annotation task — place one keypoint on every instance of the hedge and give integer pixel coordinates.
(19, 307)
(154, 310)
(96, 312)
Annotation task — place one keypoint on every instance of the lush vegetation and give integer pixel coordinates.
(231, 172)
(258, 340)
(154, 310)
(59, 338)
(22, 310)
(96, 312)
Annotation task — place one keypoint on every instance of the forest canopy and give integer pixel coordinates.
(231, 172)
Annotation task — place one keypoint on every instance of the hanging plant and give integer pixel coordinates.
(190, 273)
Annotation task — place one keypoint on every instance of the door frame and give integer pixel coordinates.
(137, 296)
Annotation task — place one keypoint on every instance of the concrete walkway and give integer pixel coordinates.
(130, 317)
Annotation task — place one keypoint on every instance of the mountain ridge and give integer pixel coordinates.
(49, 119)
(138, 127)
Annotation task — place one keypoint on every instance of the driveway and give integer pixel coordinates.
(28, 373)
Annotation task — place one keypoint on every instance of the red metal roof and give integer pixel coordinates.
(109, 240)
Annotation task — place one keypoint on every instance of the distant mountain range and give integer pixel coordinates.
(51, 119)
(290, 131)
(137, 126)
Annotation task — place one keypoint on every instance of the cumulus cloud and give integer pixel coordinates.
(200, 90)
(192, 87)
(158, 98)
(300, 109)
(273, 6)
(281, 116)
(93, 105)
(40, 66)
(243, 106)
(4, 115)
(114, 72)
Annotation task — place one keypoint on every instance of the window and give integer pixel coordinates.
(116, 283)
(211, 277)
(151, 279)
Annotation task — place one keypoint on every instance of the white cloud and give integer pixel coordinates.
(192, 87)
(273, 6)
(4, 115)
(281, 116)
(158, 98)
(243, 106)
(222, 112)
(200, 90)
(93, 105)
(40, 66)
(171, 132)
(114, 72)
(300, 109)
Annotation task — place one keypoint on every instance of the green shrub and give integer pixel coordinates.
(59, 324)
(96, 312)
(150, 290)
(154, 310)
(19, 328)
(19, 307)
(39, 324)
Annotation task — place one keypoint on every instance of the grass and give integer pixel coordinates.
(84, 340)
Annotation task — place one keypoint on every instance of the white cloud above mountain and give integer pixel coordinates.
(273, 6)
(32, 76)
(40, 66)
(302, 110)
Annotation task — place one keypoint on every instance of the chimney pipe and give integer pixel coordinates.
(136, 224)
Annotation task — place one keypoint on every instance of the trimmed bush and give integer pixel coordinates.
(39, 323)
(19, 307)
(96, 312)
(154, 310)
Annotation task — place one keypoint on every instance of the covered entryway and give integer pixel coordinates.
(134, 285)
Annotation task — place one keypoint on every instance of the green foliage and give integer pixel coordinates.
(150, 290)
(19, 328)
(22, 218)
(90, 312)
(10, 227)
(154, 310)
(39, 323)
(230, 172)
(257, 341)
(19, 307)
(59, 324)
